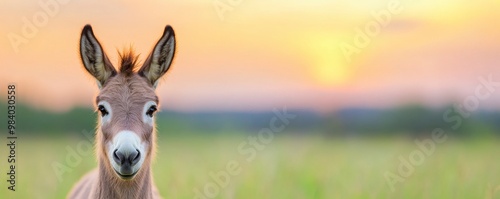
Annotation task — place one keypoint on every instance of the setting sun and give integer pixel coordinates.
(328, 66)
(331, 73)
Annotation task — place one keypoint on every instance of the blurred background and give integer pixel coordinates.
(366, 80)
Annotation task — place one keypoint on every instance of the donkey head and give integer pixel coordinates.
(126, 102)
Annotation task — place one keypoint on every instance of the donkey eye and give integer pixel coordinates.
(103, 110)
(151, 110)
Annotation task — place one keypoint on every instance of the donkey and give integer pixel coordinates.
(125, 136)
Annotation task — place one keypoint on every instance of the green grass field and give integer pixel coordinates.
(289, 168)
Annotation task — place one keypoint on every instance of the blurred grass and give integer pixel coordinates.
(289, 167)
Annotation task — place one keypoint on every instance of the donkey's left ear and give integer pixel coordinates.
(158, 62)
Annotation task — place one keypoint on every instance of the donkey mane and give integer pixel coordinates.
(128, 61)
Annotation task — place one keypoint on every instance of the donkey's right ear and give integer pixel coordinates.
(93, 57)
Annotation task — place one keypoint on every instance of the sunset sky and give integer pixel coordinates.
(261, 54)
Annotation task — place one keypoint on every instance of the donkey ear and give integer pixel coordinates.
(93, 57)
(158, 62)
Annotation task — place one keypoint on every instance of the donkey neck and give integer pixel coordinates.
(110, 186)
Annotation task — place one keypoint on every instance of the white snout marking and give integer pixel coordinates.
(127, 142)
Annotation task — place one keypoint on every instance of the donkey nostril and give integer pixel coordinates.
(135, 157)
(118, 157)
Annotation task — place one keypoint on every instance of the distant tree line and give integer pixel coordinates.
(410, 120)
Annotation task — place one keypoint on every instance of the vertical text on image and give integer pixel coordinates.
(11, 136)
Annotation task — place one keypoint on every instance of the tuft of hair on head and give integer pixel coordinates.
(128, 61)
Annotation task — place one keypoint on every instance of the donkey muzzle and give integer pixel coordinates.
(126, 154)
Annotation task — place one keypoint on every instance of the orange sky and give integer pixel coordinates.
(262, 53)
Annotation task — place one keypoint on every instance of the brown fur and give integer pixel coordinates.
(127, 92)
(126, 95)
